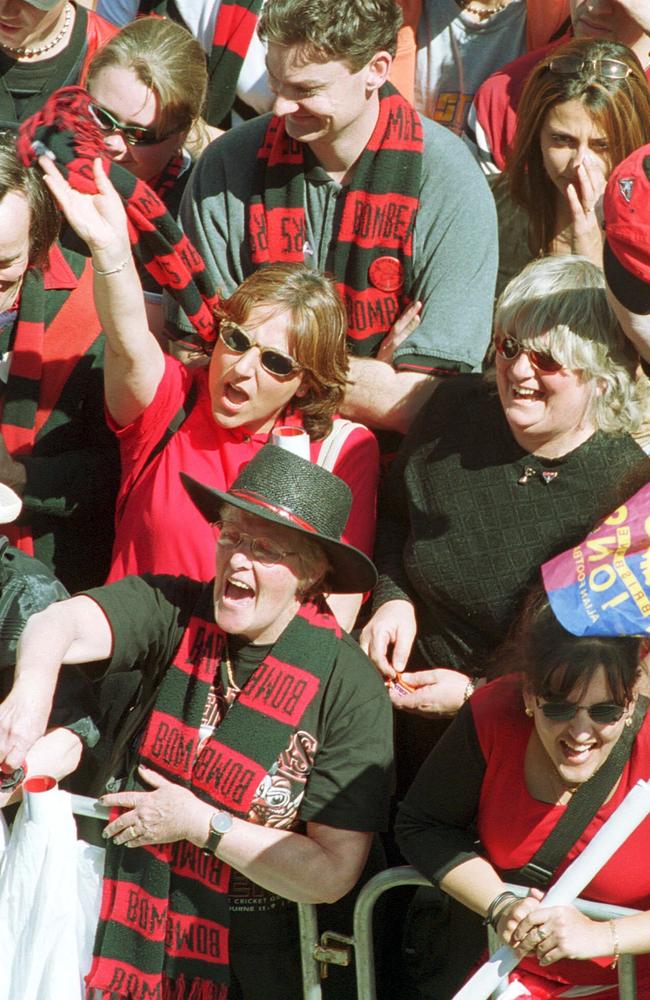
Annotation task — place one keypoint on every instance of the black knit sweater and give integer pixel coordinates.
(462, 539)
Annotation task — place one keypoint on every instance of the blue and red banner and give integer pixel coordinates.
(602, 585)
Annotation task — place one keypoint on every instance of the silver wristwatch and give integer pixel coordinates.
(220, 824)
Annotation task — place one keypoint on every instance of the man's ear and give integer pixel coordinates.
(378, 69)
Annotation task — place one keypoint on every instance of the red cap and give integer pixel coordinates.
(627, 230)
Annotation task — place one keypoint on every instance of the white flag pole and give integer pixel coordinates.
(632, 811)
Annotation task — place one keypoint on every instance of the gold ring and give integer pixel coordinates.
(542, 933)
(133, 832)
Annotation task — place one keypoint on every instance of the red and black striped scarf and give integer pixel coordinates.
(163, 927)
(45, 350)
(233, 30)
(65, 127)
(373, 258)
(168, 177)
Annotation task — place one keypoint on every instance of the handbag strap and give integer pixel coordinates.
(582, 808)
(330, 449)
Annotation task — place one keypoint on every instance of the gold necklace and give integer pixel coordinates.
(29, 53)
(232, 684)
(481, 12)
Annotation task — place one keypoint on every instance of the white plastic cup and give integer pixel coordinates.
(41, 797)
(10, 504)
(292, 439)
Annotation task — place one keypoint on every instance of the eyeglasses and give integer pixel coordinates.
(274, 362)
(609, 69)
(133, 135)
(509, 348)
(262, 550)
(603, 713)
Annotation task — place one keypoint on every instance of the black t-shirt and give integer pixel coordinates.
(24, 87)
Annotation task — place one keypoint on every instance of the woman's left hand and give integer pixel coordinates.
(584, 199)
(438, 692)
(167, 814)
(561, 932)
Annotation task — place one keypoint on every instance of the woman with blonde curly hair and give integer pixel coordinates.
(584, 109)
(496, 476)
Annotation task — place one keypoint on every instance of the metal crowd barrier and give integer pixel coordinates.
(316, 952)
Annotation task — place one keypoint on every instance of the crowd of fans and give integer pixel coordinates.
(322, 328)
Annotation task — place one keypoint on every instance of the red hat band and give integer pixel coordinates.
(275, 509)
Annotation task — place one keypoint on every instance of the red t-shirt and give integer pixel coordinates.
(159, 529)
(513, 825)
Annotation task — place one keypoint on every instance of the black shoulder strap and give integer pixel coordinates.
(581, 810)
(175, 424)
(561, 31)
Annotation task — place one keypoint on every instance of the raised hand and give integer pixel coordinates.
(584, 198)
(98, 219)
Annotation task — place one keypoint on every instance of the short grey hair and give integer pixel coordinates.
(559, 304)
(315, 567)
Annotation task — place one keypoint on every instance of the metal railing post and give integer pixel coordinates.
(362, 927)
(405, 875)
(308, 929)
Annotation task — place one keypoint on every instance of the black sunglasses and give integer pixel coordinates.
(609, 69)
(274, 362)
(133, 135)
(604, 713)
(510, 348)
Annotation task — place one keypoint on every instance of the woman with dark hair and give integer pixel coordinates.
(55, 448)
(280, 357)
(526, 745)
(584, 109)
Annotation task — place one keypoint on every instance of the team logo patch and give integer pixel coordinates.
(625, 186)
(386, 274)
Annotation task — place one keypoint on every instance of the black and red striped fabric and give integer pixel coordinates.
(233, 30)
(373, 258)
(163, 927)
(65, 128)
(46, 349)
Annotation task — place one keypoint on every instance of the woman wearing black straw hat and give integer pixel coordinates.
(264, 739)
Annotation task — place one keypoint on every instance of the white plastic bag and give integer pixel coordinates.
(50, 889)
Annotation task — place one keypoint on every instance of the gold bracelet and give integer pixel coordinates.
(114, 270)
(617, 944)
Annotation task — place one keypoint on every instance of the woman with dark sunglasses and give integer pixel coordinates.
(280, 358)
(148, 86)
(584, 109)
(525, 744)
(497, 475)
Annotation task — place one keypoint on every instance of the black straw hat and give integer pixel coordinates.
(285, 489)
